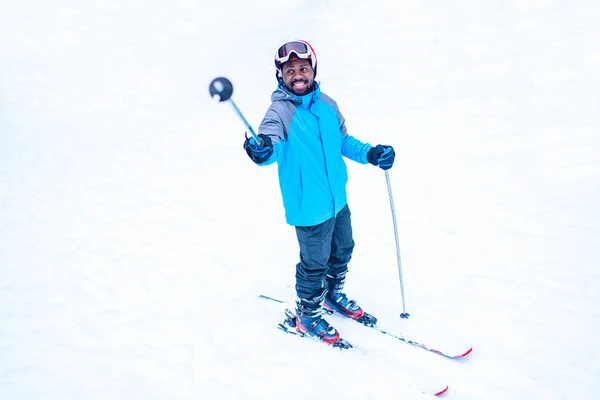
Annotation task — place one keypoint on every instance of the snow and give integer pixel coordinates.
(136, 235)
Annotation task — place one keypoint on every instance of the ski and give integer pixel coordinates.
(446, 354)
(289, 326)
(367, 319)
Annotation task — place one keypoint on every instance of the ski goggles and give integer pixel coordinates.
(301, 49)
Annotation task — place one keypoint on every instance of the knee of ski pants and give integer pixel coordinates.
(342, 240)
(315, 243)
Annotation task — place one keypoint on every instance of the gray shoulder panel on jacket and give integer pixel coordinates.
(277, 120)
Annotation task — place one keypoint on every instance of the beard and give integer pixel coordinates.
(301, 91)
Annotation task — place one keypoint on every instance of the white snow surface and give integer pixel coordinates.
(136, 235)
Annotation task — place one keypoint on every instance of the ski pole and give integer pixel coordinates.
(223, 88)
(389, 186)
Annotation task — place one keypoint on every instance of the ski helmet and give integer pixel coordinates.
(298, 48)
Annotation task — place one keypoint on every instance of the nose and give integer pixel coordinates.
(297, 75)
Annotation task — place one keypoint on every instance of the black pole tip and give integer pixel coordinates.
(404, 315)
(221, 87)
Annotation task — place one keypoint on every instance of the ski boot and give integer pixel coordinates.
(309, 321)
(338, 302)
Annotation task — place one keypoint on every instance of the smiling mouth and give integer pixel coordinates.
(299, 84)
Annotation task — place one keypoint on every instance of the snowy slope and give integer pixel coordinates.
(135, 234)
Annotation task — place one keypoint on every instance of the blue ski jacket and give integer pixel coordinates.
(309, 139)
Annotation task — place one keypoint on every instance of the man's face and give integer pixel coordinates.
(298, 76)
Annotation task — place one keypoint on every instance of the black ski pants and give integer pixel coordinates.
(325, 250)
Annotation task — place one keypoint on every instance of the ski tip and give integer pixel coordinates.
(466, 353)
(441, 392)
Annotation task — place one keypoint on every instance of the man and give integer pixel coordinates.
(305, 133)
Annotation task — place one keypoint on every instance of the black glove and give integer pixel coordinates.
(382, 156)
(259, 154)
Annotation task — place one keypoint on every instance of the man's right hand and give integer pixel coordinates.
(259, 154)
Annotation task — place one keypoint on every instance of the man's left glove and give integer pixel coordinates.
(259, 154)
(382, 156)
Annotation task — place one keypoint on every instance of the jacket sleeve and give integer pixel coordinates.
(352, 148)
(355, 150)
(272, 126)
